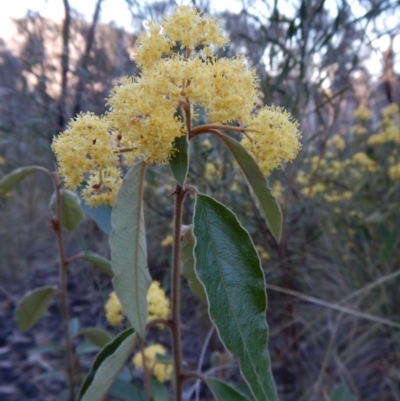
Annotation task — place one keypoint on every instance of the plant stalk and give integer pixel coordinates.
(56, 226)
(175, 298)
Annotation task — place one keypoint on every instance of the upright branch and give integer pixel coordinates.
(82, 68)
(175, 299)
(63, 262)
(64, 64)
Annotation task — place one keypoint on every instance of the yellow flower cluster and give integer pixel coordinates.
(264, 255)
(276, 138)
(113, 307)
(313, 190)
(84, 153)
(162, 371)
(362, 159)
(392, 134)
(363, 113)
(337, 141)
(157, 305)
(394, 172)
(167, 241)
(390, 127)
(185, 28)
(141, 121)
(338, 197)
(277, 189)
(157, 302)
(213, 171)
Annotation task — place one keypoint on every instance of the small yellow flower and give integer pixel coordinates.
(207, 144)
(362, 159)
(157, 305)
(211, 172)
(337, 141)
(363, 113)
(167, 241)
(314, 190)
(277, 189)
(234, 186)
(162, 371)
(114, 312)
(264, 255)
(2, 161)
(157, 302)
(331, 198)
(394, 172)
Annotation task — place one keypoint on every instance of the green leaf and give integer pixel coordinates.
(292, 29)
(64, 395)
(303, 12)
(50, 347)
(86, 348)
(126, 391)
(224, 392)
(243, 388)
(51, 375)
(73, 327)
(9, 181)
(128, 248)
(96, 336)
(165, 359)
(158, 391)
(106, 366)
(32, 306)
(229, 268)
(262, 194)
(98, 261)
(71, 210)
(179, 163)
(340, 393)
(100, 214)
(187, 260)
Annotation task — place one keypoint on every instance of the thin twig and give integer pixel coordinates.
(56, 226)
(201, 359)
(343, 309)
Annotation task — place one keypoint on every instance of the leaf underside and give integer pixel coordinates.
(106, 366)
(128, 249)
(188, 270)
(262, 194)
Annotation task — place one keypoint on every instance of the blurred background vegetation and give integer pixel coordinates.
(339, 256)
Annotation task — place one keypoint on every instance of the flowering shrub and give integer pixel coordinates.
(141, 120)
(152, 119)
